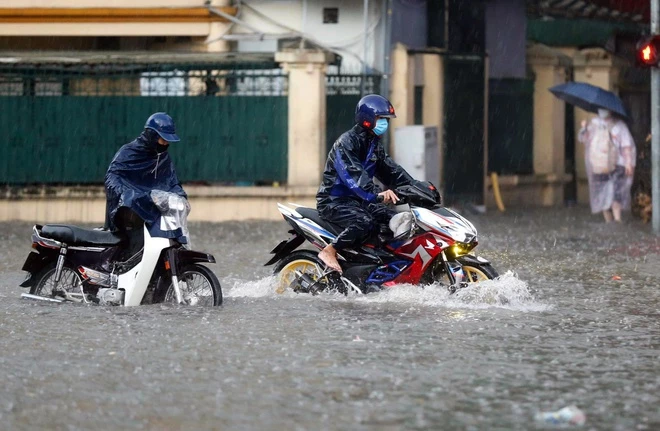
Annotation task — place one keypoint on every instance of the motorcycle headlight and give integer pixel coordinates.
(459, 249)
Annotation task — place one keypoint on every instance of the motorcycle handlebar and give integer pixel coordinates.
(401, 201)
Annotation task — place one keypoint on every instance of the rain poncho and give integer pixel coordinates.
(353, 162)
(348, 194)
(136, 170)
(604, 189)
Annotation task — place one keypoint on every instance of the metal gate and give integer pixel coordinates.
(511, 126)
(343, 92)
(464, 128)
(63, 122)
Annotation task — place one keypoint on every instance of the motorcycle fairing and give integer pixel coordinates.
(422, 250)
(316, 234)
(135, 281)
(446, 222)
(389, 272)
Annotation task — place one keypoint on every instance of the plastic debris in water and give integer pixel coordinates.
(570, 415)
(616, 277)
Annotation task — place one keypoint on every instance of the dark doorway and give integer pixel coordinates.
(464, 129)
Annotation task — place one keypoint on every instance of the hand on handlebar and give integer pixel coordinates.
(388, 197)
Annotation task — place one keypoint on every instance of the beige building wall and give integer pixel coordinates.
(24, 4)
(65, 24)
(210, 204)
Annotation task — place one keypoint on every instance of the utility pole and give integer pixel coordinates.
(364, 47)
(655, 124)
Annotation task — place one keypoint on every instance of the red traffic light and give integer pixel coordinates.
(648, 50)
(649, 55)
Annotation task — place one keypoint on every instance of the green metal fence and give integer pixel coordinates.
(342, 95)
(62, 123)
(511, 126)
(464, 128)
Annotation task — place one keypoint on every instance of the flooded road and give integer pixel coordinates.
(408, 358)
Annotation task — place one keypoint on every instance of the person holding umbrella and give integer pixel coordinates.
(610, 151)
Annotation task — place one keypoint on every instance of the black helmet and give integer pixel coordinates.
(163, 125)
(370, 107)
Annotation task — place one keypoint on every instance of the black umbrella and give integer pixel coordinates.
(589, 97)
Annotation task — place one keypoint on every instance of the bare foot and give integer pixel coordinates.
(329, 256)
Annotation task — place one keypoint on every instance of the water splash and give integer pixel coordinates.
(507, 291)
(265, 287)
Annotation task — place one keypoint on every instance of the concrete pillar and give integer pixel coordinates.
(550, 69)
(307, 116)
(217, 29)
(597, 67)
(401, 90)
(433, 100)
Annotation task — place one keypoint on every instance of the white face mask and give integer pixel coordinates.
(603, 113)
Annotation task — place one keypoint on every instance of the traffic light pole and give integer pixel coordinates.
(655, 124)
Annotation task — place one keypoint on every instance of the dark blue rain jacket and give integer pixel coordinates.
(354, 160)
(136, 170)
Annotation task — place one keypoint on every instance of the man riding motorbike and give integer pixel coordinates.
(138, 168)
(348, 196)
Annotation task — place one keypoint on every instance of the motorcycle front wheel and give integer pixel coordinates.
(45, 281)
(476, 272)
(199, 287)
(473, 272)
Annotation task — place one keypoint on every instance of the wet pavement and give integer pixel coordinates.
(581, 325)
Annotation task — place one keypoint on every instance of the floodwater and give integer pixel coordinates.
(408, 358)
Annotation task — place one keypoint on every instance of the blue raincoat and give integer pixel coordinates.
(136, 170)
(348, 194)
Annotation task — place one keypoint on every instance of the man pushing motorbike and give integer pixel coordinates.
(348, 196)
(138, 168)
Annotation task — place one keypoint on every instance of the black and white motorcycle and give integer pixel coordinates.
(69, 263)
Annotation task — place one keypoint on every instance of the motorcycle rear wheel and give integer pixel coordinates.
(305, 261)
(45, 281)
(199, 287)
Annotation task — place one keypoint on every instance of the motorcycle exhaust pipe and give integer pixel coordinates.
(307, 283)
(40, 298)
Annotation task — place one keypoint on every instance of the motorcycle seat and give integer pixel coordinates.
(313, 214)
(73, 235)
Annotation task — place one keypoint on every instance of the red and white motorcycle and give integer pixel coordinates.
(433, 245)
